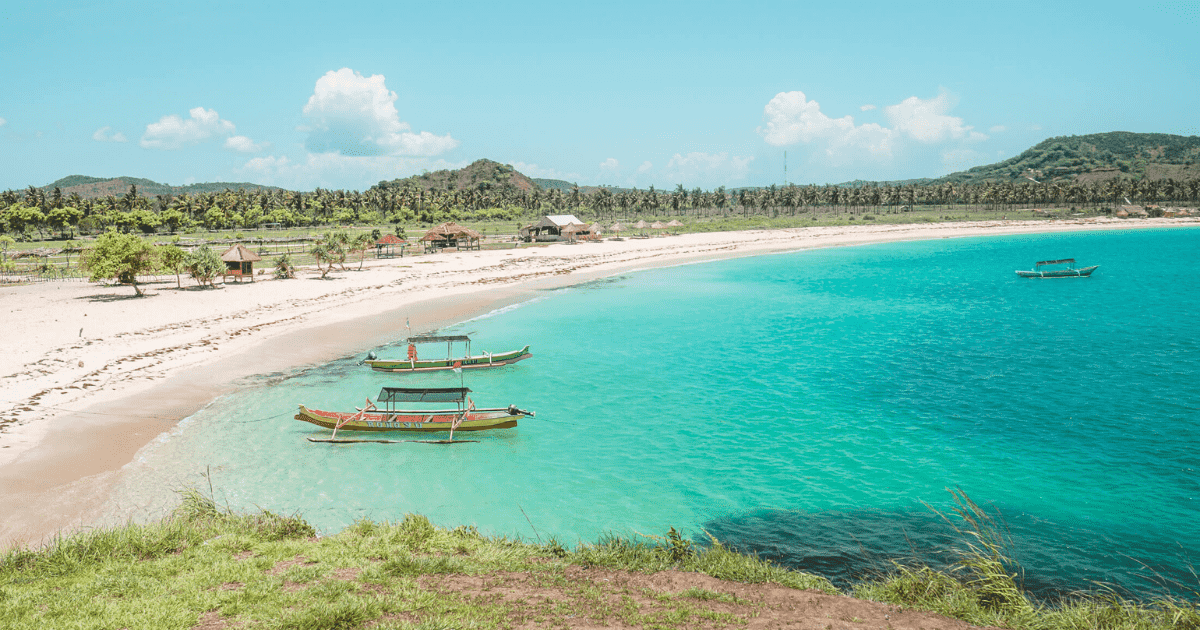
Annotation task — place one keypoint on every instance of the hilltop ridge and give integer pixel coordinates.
(482, 175)
(89, 187)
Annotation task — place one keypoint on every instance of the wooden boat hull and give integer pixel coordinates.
(467, 363)
(1059, 273)
(407, 421)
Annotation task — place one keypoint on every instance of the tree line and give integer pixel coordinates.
(36, 214)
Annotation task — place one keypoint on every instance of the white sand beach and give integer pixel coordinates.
(92, 374)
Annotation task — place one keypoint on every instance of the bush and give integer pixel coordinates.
(204, 265)
(284, 268)
(120, 256)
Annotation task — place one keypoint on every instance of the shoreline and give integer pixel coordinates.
(67, 428)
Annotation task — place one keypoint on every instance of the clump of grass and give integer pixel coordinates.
(673, 552)
(984, 587)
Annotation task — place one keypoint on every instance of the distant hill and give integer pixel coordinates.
(96, 187)
(556, 184)
(1088, 158)
(479, 175)
(1095, 157)
(565, 186)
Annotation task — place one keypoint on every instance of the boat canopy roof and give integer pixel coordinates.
(1056, 262)
(423, 394)
(438, 338)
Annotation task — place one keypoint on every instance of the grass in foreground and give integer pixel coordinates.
(204, 567)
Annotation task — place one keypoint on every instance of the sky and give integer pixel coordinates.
(346, 94)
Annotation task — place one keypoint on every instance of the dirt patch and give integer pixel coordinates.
(284, 565)
(210, 620)
(600, 598)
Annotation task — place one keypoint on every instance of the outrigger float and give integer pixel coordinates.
(372, 418)
(466, 362)
(1069, 271)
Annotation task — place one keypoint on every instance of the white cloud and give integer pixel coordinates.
(927, 121)
(703, 168)
(243, 144)
(102, 135)
(356, 116)
(792, 118)
(645, 166)
(611, 164)
(173, 132)
(998, 129)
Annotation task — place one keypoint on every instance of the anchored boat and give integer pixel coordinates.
(462, 417)
(1057, 270)
(466, 362)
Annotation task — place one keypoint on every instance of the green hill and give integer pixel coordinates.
(1095, 157)
(483, 175)
(96, 187)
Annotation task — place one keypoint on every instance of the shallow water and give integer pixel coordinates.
(813, 407)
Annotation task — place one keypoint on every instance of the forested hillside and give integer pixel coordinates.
(1095, 157)
(96, 187)
(481, 175)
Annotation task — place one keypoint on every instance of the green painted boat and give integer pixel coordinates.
(382, 415)
(466, 362)
(1062, 268)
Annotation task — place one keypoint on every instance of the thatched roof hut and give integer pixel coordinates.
(451, 231)
(385, 247)
(238, 253)
(239, 262)
(451, 235)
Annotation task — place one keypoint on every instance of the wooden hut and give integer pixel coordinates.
(451, 235)
(385, 247)
(553, 228)
(239, 262)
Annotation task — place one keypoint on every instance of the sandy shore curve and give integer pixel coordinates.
(92, 374)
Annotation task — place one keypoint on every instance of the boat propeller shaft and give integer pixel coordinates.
(513, 411)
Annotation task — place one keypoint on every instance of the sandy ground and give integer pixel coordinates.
(90, 374)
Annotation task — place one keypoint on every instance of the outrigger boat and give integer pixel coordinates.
(466, 362)
(372, 418)
(1070, 271)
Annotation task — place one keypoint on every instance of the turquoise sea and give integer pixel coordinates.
(812, 407)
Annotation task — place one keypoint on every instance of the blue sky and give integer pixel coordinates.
(345, 94)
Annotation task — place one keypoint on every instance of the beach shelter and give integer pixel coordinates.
(239, 262)
(577, 231)
(674, 223)
(555, 226)
(616, 227)
(596, 229)
(385, 247)
(451, 234)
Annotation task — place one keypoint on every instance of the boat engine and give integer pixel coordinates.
(513, 411)
(371, 356)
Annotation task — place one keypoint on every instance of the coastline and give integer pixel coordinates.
(67, 427)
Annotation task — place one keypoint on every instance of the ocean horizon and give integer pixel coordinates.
(814, 407)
